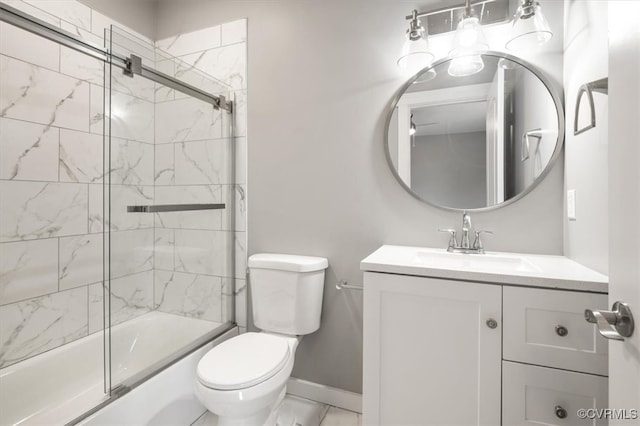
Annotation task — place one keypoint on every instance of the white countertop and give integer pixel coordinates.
(533, 270)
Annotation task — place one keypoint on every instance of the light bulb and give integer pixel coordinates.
(468, 37)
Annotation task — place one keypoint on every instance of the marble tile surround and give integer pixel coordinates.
(28, 269)
(29, 151)
(190, 153)
(32, 210)
(36, 325)
(51, 121)
(192, 295)
(32, 93)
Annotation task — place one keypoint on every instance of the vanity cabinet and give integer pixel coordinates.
(444, 351)
(432, 351)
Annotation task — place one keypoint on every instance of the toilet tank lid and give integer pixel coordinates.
(287, 262)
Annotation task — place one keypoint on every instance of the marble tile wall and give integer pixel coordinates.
(51, 194)
(166, 148)
(193, 144)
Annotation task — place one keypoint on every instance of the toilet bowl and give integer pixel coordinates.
(243, 380)
(253, 381)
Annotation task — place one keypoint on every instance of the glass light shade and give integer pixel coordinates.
(462, 66)
(530, 28)
(415, 55)
(468, 43)
(469, 37)
(426, 75)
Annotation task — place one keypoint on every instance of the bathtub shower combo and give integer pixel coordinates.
(117, 215)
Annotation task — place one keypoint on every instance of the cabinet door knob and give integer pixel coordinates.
(491, 323)
(561, 330)
(561, 413)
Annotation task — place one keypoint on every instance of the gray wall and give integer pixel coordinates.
(321, 75)
(451, 170)
(139, 15)
(587, 154)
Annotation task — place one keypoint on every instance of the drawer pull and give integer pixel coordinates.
(561, 413)
(561, 330)
(491, 323)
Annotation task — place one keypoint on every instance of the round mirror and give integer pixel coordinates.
(475, 132)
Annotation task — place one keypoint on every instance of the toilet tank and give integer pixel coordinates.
(286, 292)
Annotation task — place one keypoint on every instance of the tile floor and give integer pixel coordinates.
(339, 417)
(308, 413)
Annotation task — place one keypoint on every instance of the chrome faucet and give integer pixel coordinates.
(466, 227)
(465, 246)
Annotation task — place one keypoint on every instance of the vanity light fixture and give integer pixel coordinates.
(530, 28)
(468, 43)
(416, 54)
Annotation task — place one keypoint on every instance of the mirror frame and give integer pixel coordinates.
(557, 100)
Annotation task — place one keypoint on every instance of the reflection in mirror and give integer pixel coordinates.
(479, 140)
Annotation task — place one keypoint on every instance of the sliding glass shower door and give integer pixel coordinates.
(169, 191)
(116, 213)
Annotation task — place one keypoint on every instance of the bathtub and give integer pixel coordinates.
(59, 385)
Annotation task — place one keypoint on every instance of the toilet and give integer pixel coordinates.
(244, 379)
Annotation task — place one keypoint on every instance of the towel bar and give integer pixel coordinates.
(601, 86)
(343, 285)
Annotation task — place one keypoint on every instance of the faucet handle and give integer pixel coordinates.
(477, 244)
(452, 240)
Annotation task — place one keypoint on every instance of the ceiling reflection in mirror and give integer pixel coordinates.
(477, 141)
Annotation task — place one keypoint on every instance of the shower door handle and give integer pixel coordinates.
(161, 208)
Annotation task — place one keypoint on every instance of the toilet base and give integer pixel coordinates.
(269, 416)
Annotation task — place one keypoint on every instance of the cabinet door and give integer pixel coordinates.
(536, 396)
(429, 356)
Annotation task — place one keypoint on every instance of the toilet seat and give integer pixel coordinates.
(243, 361)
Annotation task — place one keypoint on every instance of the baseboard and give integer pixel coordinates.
(325, 394)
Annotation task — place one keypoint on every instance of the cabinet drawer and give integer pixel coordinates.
(533, 395)
(547, 327)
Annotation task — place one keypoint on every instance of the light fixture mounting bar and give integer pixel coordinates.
(449, 9)
(445, 19)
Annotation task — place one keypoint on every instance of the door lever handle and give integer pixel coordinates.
(615, 324)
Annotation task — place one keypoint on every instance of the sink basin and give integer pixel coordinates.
(474, 262)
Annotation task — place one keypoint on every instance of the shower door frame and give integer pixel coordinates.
(131, 65)
(26, 22)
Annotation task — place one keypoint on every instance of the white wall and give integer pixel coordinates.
(321, 76)
(586, 155)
